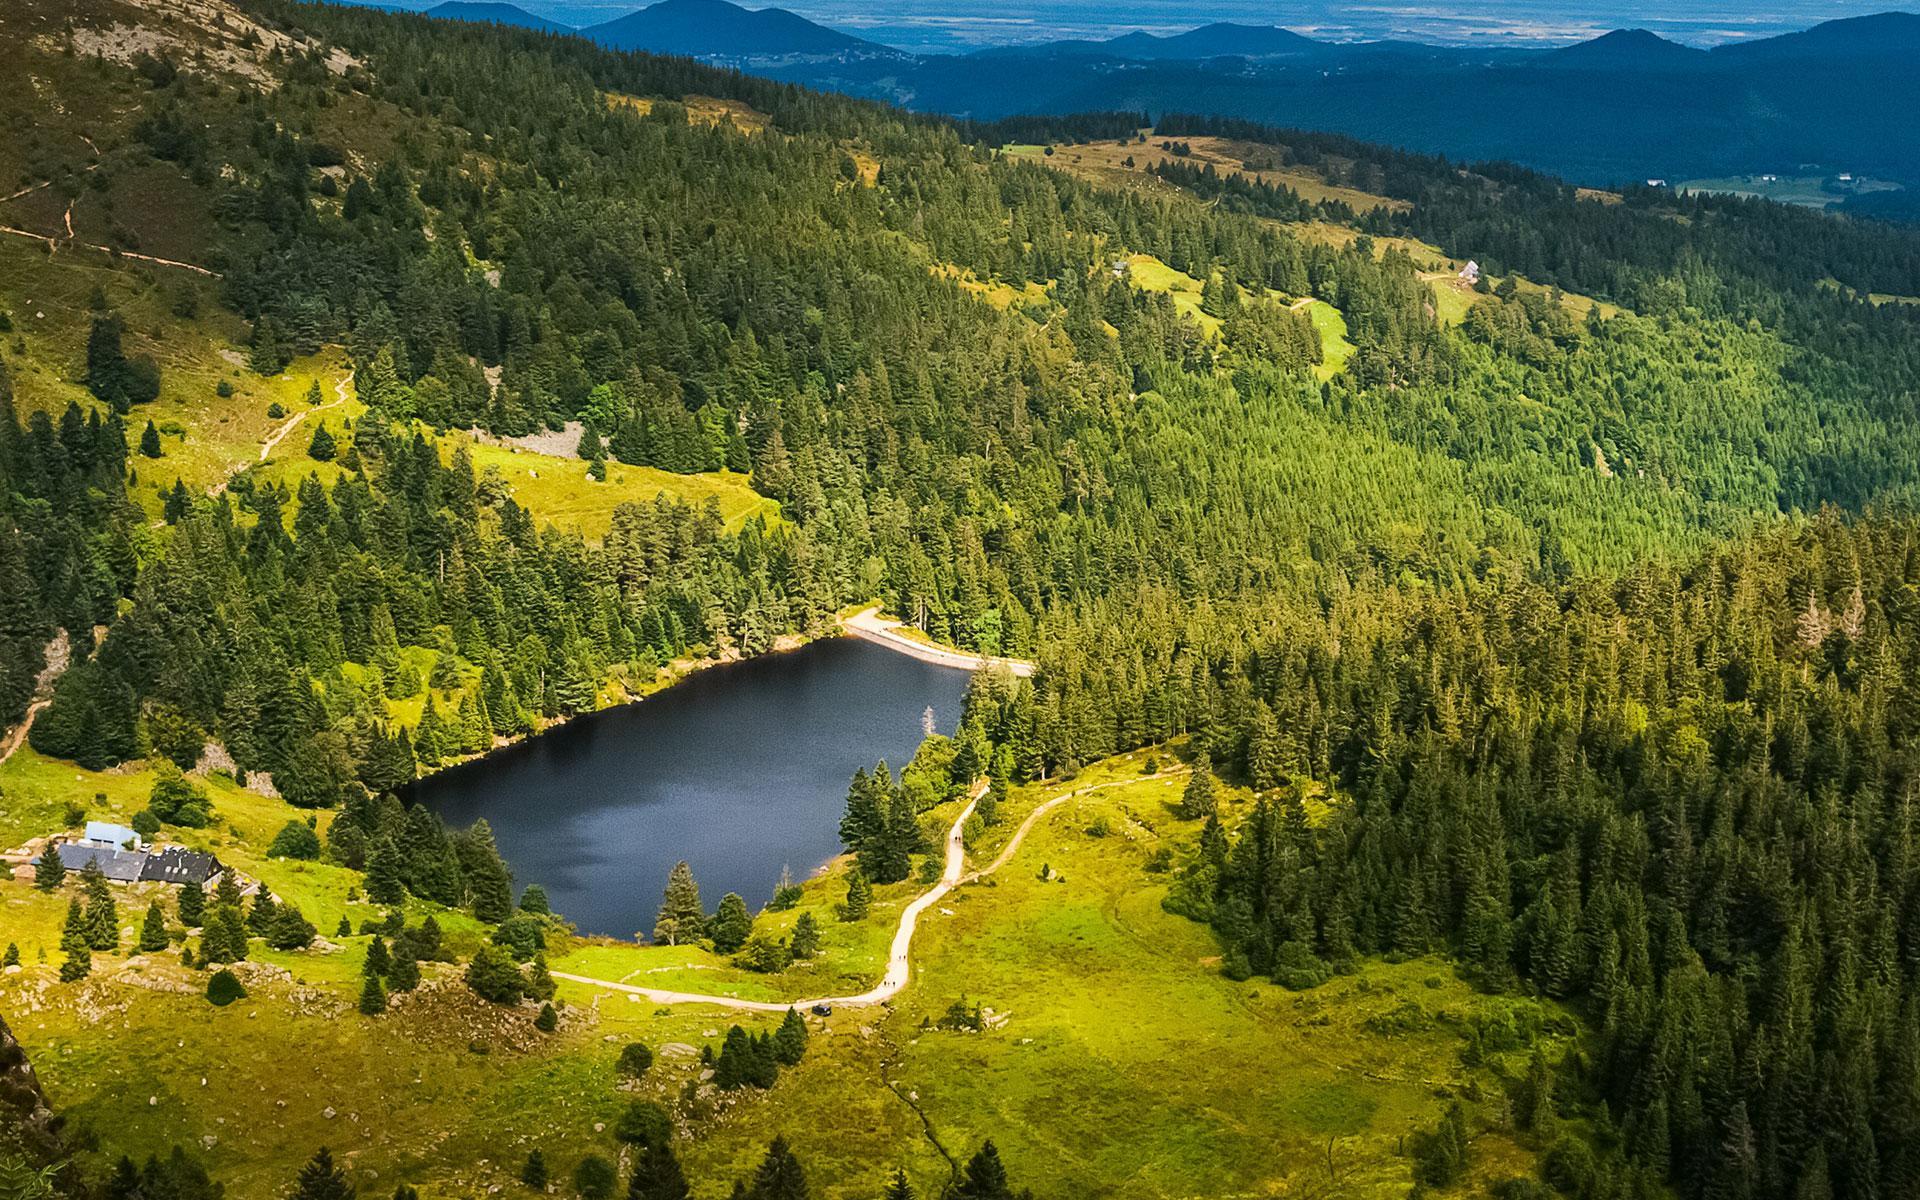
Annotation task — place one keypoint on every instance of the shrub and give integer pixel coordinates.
(494, 976)
(635, 1060)
(223, 988)
(644, 1123)
(296, 839)
(594, 1178)
(764, 953)
(1569, 1167)
(1298, 968)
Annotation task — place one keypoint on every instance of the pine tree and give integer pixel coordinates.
(732, 924)
(73, 943)
(657, 1175)
(153, 933)
(12, 956)
(806, 937)
(1197, 799)
(548, 1018)
(494, 975)
(681, 919)
(373, 996)
(404, 975)
(488, 881)
(779, 1175)
(378, 962)
(321, 1180)
(193, 904)
(534, 900)
(539, 981)
(384, 882)
(859, 897)
(291, 930)
(534, 1174)
(150, 442)
(49, 872)
(985, 1178)
(102, 915)
(790, 1040)
(260, 916)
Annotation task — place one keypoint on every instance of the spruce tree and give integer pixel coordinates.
(49, 872)
(153, 933)
(384, 882)
(290, 930)
(732, 924)
(806, 937)
(73, 943)
(790, 1040)
(1197, 799)
(377, 962)
(657, 1175)
(779, 1175)
(150, 442)
(534, 1174)
(102, 916)
(261, 914)
(12, 956)
(534, 900)
(321, 446)
(193, 904)
(321, 1180)
(859, 897)
(373, 996)
(548, 1018)
(985, 1178)
(494, 976)
(899, 1188)
(404, 975)
(681, 918)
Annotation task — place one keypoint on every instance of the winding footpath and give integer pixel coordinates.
(280, 435)
(18, 737)
(899, 960)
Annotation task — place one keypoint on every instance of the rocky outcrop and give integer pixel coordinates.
(27, 1124)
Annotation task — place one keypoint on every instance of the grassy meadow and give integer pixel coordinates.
(1185, 1083)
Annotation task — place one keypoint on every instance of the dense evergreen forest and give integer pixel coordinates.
(1611, 704)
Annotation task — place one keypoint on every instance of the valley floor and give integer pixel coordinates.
(1185, 1083)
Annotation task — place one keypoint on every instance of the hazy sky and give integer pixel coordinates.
(952, 25)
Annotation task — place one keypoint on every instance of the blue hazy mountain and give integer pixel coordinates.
(716, 29)
(497, 13)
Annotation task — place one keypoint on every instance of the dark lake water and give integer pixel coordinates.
(740, 770)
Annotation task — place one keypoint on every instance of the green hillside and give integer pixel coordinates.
(1547, 644)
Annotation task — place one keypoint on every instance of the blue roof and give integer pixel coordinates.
(109, 834)
(123, 866)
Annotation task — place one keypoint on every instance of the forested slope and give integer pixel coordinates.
(1536, 598)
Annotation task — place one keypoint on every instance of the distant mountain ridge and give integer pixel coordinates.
(497, 13)
(716, 29)
(1627, 105)
(1626, 49)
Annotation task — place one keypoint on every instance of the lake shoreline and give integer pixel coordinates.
(786, 643)
(743, 775)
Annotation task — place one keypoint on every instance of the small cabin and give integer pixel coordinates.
(1470, 274)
